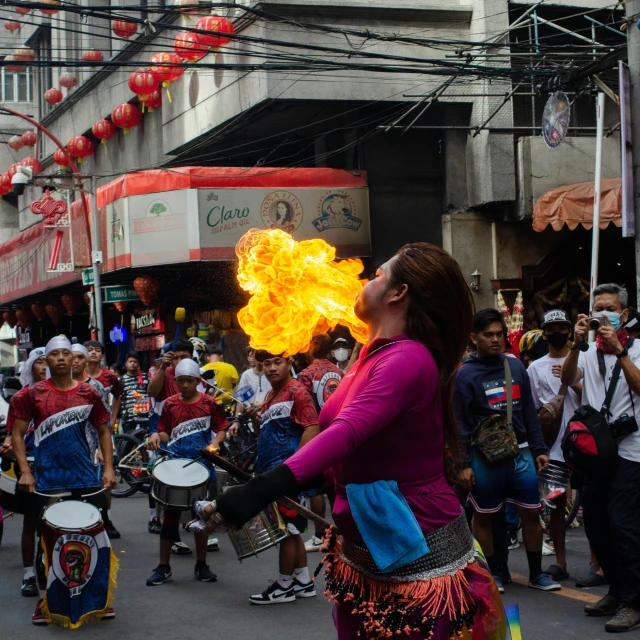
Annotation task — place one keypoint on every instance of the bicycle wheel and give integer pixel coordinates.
(130, 470)
(574, 507)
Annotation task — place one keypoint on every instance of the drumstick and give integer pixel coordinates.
(218, 390)
(283, 500)
(192, 462)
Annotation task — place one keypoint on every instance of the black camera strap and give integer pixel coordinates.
(615, 376)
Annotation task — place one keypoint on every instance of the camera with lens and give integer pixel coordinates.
(595, 323)
(622, 427)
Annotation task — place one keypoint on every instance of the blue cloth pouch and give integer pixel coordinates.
(386, 523)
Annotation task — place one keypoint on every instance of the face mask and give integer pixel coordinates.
(612, 316)
(557, 340)
(341, 354)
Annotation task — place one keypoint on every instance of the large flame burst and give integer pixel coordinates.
(297, 290)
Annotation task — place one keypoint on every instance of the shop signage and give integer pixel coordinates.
(147, 321)
(118, 334)
(149, 343)
(119, 294)
(87, 277)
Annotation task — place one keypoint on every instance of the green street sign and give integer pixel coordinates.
(87, 277)
(120, 293)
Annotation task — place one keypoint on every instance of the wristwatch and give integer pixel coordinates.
(623, 353)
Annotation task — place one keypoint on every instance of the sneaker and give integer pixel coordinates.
(204, 574)
(275, 594)
(313, 544)
(304, 590)
(626, 619)
(544, 582)
(548, 550)
(38, 616)
(109, 614)
(181, 549)
(513, 542)
(498, 584)
(29, 587)
(160, 575)
(112, 532)
(155, 526)
(502, 571)
(212, 544)
(607, 606)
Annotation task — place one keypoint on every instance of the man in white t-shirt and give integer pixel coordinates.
(254, 378)
(611, 498)
(544, 375)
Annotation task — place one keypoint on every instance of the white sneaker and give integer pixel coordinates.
(313, 544)
(548, 550)
(275, 594)
(304, 590)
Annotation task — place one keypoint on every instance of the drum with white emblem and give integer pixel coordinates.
(179, 482)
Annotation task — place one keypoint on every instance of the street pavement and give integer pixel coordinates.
(185, 608)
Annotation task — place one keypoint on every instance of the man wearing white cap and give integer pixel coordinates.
(62, 411)
(190, 421)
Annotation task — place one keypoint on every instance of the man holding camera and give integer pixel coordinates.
(611, 496)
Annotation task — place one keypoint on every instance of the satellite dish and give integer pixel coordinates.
(555, 119)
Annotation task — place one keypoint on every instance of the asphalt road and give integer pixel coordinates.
(187, 608)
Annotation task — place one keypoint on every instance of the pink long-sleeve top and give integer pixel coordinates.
(384, 422)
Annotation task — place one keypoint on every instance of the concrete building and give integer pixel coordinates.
(454, 160)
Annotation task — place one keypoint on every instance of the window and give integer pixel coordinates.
(16, 87)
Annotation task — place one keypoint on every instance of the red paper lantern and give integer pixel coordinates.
(24, 54)
(24, 317)
(61, 158)
(11, 25)
(71, 303)
(163, 73)
(93, 55)
(50, 12)
(15, 143)
(53, 96)
(154, 101)
(187, 7)
(143, 83)
(29, 138)
(12, 170)
(212, 24)
(23, 10)
(126, 116)
(147, 288)
(11, 65)
(4, 191)
(124, 29)
(33, 163)
(55, 313)
(5, 184)
(120, 306)
(68, 80)
(188, 48)
(39, 311)
(103, 130)
(80, 147)
(10, 318)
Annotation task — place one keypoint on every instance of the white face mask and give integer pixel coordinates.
(341, 354)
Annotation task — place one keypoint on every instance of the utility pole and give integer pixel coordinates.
(632, 9)
(96, 259)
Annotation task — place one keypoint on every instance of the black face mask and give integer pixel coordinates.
(557, 340)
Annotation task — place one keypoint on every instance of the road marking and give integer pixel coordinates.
(573, 594)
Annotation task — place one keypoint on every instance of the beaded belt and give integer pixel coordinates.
(450, 548)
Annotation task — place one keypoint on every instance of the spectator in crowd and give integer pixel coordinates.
(481, 392)
(226, 376)
(544, 374)
(255, 378)
(341, 353)
(611, 496)
(135, 400)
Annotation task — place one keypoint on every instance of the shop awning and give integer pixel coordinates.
(573, 205)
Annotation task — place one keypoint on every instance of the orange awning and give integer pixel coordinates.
(573, 205)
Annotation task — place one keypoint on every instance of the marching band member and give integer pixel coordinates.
(35, 370)
(63, 411)
(406, 563)
(188, 421)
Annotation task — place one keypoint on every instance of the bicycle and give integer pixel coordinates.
(131, 462)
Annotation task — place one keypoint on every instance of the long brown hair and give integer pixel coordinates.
(440, 314)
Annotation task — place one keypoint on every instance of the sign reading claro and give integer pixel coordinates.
(221, 214)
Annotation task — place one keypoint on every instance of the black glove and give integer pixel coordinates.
(239, 504)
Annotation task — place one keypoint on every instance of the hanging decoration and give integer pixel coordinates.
(55, 313)
(39, 311)
(10, 64)
(24, 318)
(68, 80)
(50, 12)
(556, 118)
(4, 190)
(29, 138)
(10, 318)
(93, 55)
(5, 181)
(15, 143)
(143, 83)
(163, 73)
(187, 7)
(36, 165)
(104, 130)
(213, 24)
(81, 147)
(147, 288)
(23, 10)
(154, 101)
(87, 298)
(71, 303)
(120, 306)
(13, 169)
(48, 207)
(11, 25)
(53, 96)
(24, 54)
(124, 29)
(126, 116)
(188, 48)
(61, 158)
(514, 320)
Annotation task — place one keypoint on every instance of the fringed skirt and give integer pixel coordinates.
(445, 595)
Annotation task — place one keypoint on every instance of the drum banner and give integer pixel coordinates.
(81, 576)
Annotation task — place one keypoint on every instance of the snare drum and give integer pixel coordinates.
(262, 532)
(71, 515)
(11, 498)
(178, 486)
